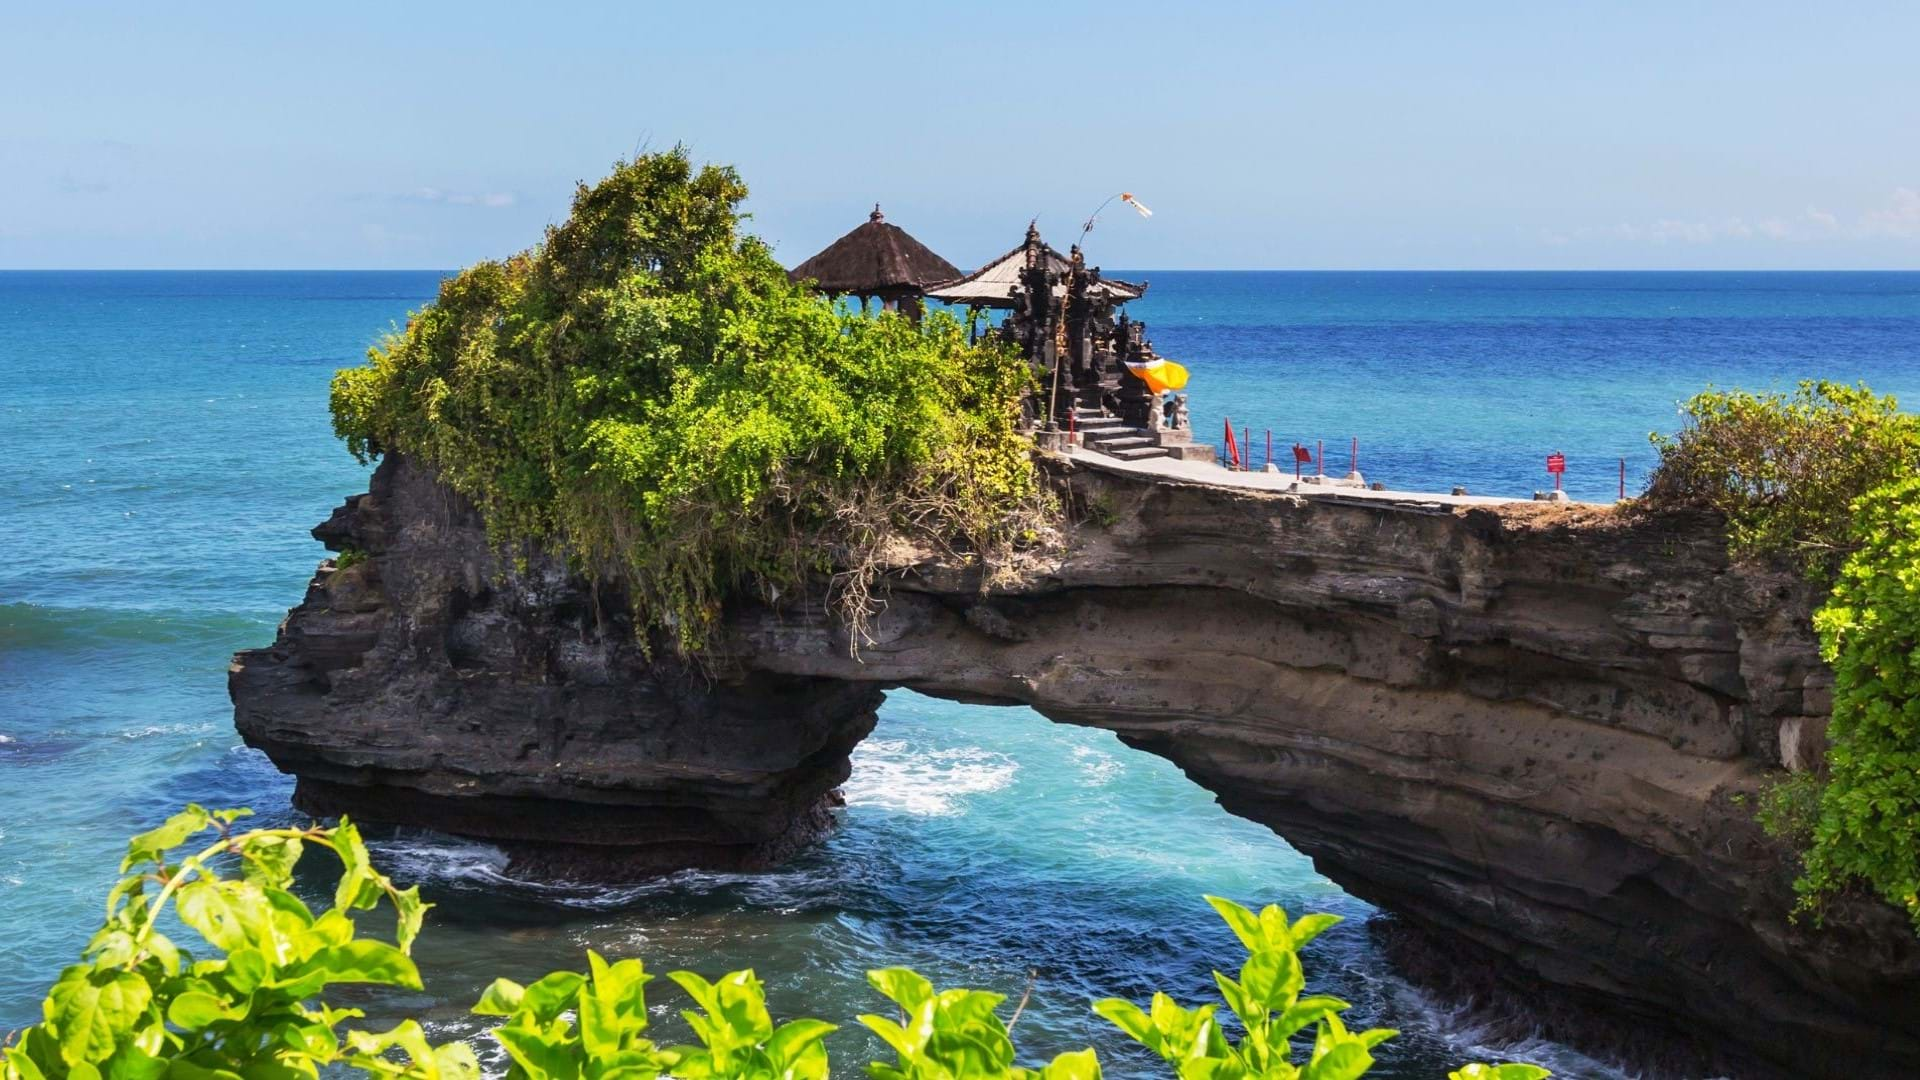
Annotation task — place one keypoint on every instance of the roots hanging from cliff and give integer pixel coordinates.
(884, 530)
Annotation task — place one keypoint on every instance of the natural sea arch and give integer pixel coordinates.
(1525, 731)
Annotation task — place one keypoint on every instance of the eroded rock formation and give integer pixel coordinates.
(1533, 730)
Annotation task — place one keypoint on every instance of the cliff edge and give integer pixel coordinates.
(1533, 730)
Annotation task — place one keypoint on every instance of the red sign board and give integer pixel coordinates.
(1556, 463)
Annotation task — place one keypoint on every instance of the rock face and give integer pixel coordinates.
(1530, 731)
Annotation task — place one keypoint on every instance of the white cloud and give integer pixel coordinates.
(1899, 218)
(490, 199)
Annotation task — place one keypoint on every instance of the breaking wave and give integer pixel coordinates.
(892, 775)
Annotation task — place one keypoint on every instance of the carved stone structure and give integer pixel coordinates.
(1066, 318)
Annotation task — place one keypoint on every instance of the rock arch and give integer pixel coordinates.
(1527, 729)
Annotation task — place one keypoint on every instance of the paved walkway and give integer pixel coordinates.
(1207, 472)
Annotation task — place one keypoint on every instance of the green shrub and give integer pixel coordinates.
(141, 1007)
(1790, 807)
(1831, 477)
(648, 394)
(1868, 823)
(1785, 469)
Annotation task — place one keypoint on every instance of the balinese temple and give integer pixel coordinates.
(993, 285)
(1100, 383)
(877, 260)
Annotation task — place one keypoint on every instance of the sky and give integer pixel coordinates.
(1278, 135)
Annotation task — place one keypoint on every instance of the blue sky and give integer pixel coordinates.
(1274, 135)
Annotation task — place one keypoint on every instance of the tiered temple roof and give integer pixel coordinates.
(992, 285)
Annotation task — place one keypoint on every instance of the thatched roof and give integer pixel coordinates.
(876, 259)
(992, 285)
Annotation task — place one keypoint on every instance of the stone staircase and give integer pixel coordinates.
(1115, 437)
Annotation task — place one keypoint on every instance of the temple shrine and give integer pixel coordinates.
(1100, 384)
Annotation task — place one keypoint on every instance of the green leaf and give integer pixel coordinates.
(793, 1038)
(552, 994)
(1306, 1012)
(1345, 1060)
(21, 1063)
(1510, 1071)
(1276, 930)
(411, 913)
(543, 1054)
(1308, 927)
(1244, 923)
(456, 1061)
(92, 1012)
(1129, 1018)
(903, 1042)
(229, 914)
(149, 846)
(359, 886)
(197, 1009)
(501, 998)
(1073, 1065)
(407, 1037)
(613, 1005)
(366, 962)
(1273, 979)
(1376, 1036)
(135, 1063)
(902, 986)
(268, 860)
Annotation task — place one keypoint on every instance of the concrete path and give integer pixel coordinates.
(1207, 472)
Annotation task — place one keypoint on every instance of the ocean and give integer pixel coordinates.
(167, 447)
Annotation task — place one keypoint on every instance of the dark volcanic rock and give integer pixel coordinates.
(1529, 731)
(426, 685)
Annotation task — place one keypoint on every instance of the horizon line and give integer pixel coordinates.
(1118, 269)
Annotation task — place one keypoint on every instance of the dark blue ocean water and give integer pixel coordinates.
(166, 449)
(1473, 378)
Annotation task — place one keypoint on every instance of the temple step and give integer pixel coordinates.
(1123, 442)
(1136, 453)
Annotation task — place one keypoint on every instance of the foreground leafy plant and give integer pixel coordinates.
(955, 1034)
(1267, 999)
(141, 1008)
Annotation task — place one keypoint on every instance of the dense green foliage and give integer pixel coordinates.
(140, 1007)
(1831, 477)
(1868, 824)
(648, 393)
(1786, 469)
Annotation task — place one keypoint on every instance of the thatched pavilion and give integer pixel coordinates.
(877, 260)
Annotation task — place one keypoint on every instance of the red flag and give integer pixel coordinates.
(1233, 448)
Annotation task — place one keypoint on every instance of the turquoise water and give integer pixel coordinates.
(167, 449)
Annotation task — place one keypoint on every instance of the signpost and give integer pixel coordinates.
(1556, 465)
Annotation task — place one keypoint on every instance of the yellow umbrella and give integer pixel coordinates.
(1160, 375)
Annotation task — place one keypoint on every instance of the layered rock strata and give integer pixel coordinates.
(1533, 731)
